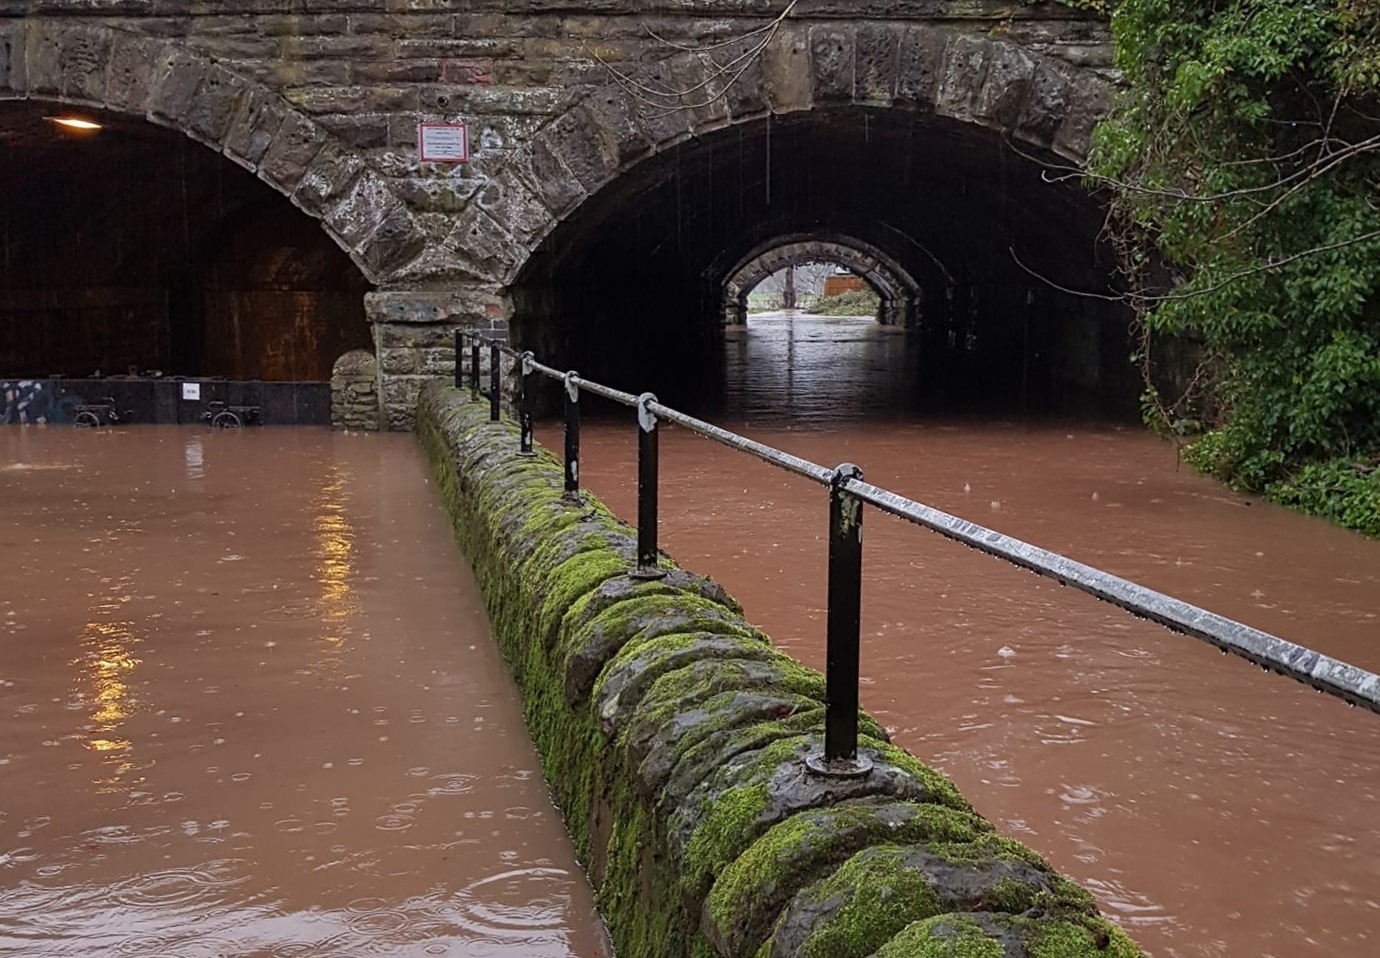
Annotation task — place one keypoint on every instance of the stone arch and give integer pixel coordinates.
(898, 291)
(1046, 105)
(101, 67)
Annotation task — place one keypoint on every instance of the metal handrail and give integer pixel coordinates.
(847, 494)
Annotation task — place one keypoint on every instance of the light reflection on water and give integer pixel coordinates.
(249, 706)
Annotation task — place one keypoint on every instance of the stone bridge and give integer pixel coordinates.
(627, 159)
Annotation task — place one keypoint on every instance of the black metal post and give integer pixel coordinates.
(648, 464)
(572, 436)
(524, 402)
(459, 359)
(845, 621)
(495, 378)
(474, 369)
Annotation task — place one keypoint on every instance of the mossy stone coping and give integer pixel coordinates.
(673, 738)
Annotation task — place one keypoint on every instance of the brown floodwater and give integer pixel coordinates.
(250, 706)
(1215, 810)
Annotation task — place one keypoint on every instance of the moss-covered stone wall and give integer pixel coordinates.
(673, 737)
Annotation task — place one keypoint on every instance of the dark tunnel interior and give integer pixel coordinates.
(629, 288)
(133, 247)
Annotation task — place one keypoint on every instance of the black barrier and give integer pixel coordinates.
(847, 495)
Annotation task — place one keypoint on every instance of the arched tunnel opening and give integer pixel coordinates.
(634, 287)
(134, 248)
(808, 269)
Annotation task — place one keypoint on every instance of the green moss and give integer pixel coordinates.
(728, 827)
(656, 654)
(1086, 938)
(982, 935)
(1062, 897)
(546, 567)
(881, 897)
(647, 603)
(570, 581)
(941, 790)
(680, 689)
(946, 936)
(751, 891)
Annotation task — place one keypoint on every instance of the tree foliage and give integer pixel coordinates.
(1244, 164)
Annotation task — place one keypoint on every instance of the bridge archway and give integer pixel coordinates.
(896, 290)
(625, 222)
(137, 246)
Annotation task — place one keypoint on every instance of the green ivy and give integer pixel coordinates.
(1244, 163)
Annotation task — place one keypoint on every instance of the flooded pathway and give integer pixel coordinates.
(249, 706)
(1215, 810)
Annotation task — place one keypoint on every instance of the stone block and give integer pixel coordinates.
(295, 47)
(1005, 86)
(320, 24)
(367, 203)
(1046, 105)
(399, 361)
(919, 66)
(85, 57)
(355, 99)
(469, 306)
(661, 122)
(134, 64)
(437, 360)
(509, 202)
(398, 399)
(294, 146)
(364, 132)
(13, 76)
(397, 242)
(549, 178)
(832, 57)
(486, 248)
(435, 335)
(255, 128)
(786, 70)
(43, 58)
(224, 48)
(329, 176)
(215, 104)
(575, 138)
(704, 81)
(175, 83)
(746, 94)
(965, 67)
(611, 109)
(1091, 102)
(876, 52)
(396, 71)
(438, 194)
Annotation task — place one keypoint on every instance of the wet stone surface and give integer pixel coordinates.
(250, 705)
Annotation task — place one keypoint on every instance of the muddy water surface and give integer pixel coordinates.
(1214, 810)
(249, 706)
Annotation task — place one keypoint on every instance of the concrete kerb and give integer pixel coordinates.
(673, 738)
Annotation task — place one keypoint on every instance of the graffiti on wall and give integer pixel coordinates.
(36, 401)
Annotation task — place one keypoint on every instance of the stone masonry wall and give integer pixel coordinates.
(354, 391)
(673, 737)
(322, 98)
